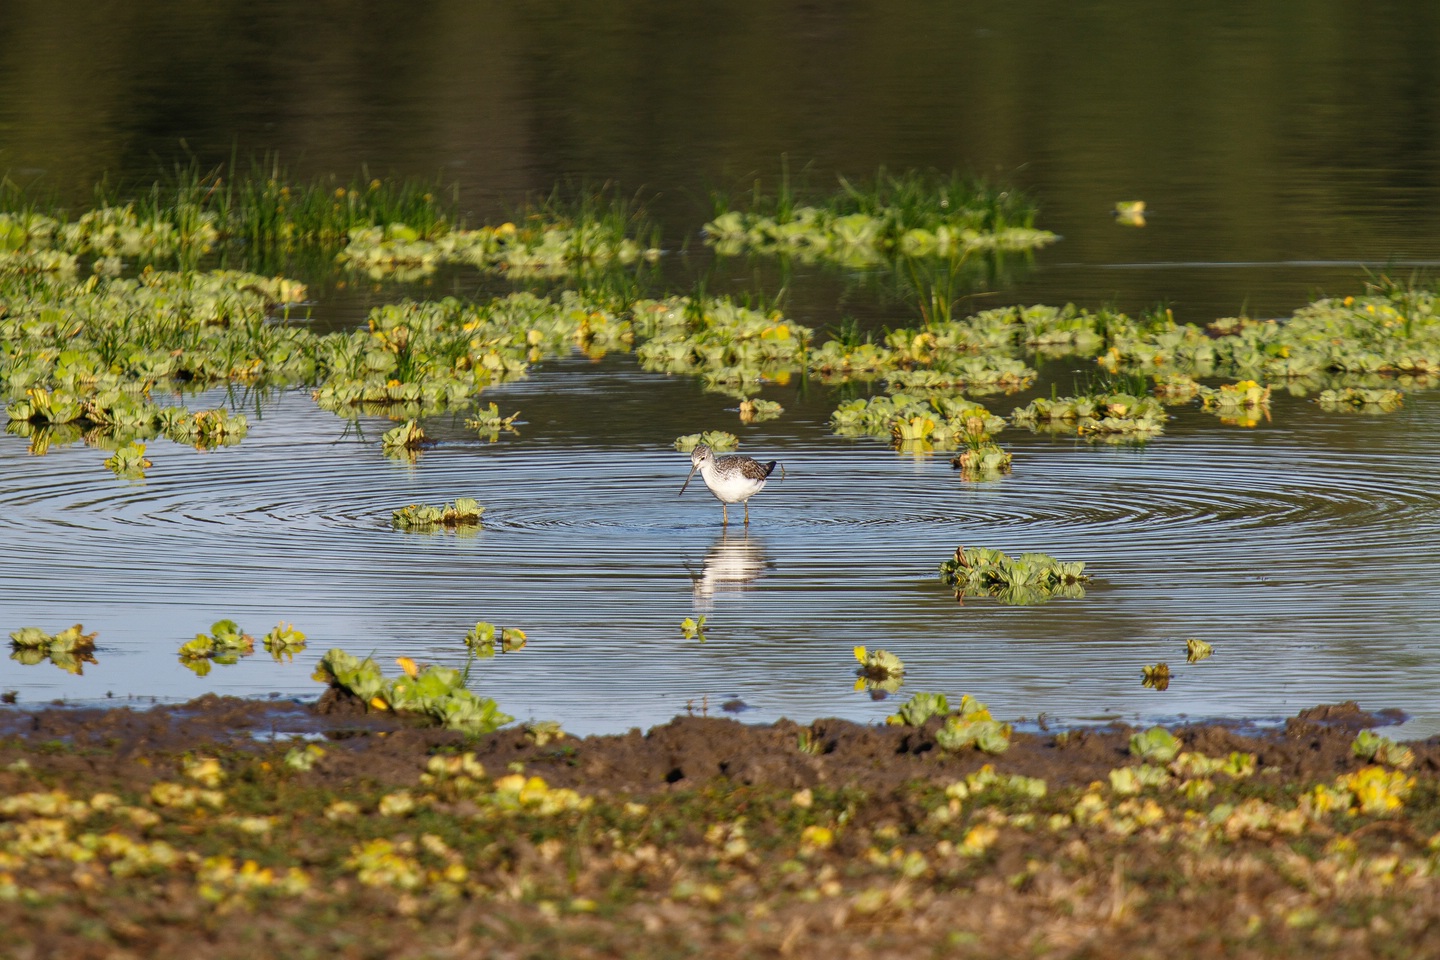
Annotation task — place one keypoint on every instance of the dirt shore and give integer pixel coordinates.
(234, 828)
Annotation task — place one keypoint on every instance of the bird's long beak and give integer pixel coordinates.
(687, 481)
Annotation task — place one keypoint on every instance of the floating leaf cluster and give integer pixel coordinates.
(1103, 416)
(879, 671)
(541, 249)
(129, 461)
(732, 348)
(915, 422)
(489, 422)
(1360, 399)
(912, 215)
(1028, 578)
(485, 640)
(225, 644)
(70, 649)
(1156, 676)
(464, 512)
(284, 641)
(719, 441)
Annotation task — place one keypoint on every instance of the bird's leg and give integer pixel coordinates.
(724, 515)
(747, 513)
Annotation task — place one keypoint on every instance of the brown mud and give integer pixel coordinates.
(704, 836)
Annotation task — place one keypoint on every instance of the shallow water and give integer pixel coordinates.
(1306, 565)
(1277, 163)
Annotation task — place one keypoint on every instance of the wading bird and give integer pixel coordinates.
(732, 478)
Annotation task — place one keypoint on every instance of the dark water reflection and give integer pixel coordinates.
(1264, 136)
(1281, 148)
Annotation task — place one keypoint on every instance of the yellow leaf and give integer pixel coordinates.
(408, 666)
(860, 654)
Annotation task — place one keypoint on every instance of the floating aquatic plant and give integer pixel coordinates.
(914, 214)
(408, 436)
(758, 411)
(481, 639)
(489, 422)
(1130, 213)
(1156, 676)
(1240, 404)
(734, 348)
(1197, 650)
(1378, 400)
(1028, 578)
(879, 670)
(1172, 388)
(914, 422)
(464, 512)
(717, 440)
(1116, 415)
(981, 458)
(225, 644)
(284, 641)
(70, 649)
(204, 429)
(129, 461)
(973, 726)
(693, 629)
(436, 693)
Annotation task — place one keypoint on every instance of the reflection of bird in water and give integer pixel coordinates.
(732, 478)
(731, 565)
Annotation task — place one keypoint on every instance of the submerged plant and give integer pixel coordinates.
(70, 649)
(1028, 578)
(464, 512)
(435, 693)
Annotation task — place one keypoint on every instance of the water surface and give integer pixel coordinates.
(1279, 160)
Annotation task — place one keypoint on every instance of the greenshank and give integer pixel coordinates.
(732, 478)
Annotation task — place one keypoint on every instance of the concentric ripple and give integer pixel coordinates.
(1302, 552)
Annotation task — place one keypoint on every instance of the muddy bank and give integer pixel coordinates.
(234, 826)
